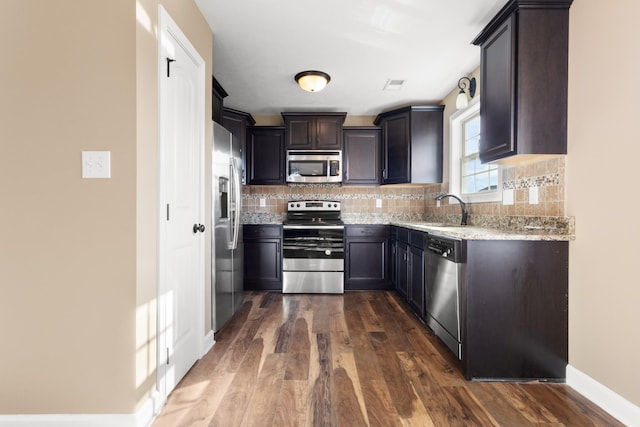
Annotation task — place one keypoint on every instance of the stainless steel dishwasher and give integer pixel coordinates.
(443, 272)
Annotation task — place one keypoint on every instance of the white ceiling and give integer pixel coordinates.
(259, 46)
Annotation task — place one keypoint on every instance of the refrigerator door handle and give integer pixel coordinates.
(237, 197)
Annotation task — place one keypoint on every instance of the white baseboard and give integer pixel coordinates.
(616, 405)
(207, 344)
(143, 418)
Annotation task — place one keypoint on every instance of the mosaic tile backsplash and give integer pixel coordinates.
(417, 202)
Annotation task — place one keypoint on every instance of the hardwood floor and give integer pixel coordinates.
(358, 359)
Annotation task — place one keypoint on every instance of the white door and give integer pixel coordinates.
(181, 286)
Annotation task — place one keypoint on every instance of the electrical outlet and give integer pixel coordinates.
(378, 203)
(507, 196)
(437, 203)
(96, 164)
(263, 203)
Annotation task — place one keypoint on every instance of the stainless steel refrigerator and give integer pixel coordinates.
(227, 247)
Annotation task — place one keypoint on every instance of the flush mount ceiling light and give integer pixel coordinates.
(462, 101)
(312, 81)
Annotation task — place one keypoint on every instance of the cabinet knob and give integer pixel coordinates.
(198, 227)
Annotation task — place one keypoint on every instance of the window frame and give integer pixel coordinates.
(456, 133)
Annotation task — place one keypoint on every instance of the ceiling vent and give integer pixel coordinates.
(393, 84)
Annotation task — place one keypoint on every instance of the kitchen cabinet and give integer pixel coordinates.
(366, 257)
(409, 267)
(265, 155)
(412, 144)
(237, 122)
(217, 101)
(524, 68)
(361, 156)
(262, 257)
(313, 131)
(514, 310)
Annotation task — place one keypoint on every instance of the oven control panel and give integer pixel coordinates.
(313, 205)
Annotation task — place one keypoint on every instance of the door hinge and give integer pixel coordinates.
(169, 61)
(167, 355)
(167, 211)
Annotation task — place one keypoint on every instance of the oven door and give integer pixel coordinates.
(313, 242)
(313, 259)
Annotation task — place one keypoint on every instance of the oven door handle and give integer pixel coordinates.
(313, 227)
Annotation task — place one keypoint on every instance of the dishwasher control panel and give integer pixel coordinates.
(452, 249)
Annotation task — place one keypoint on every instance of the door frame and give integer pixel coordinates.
(167, 26)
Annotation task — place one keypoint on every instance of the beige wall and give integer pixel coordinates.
(78, 257)
(602, 171)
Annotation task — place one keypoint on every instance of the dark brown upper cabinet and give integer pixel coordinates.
(265, 155)
(237, 122)
(217, 101)
(313, 131)
(411, 144)
(524, 69)
(361, 156)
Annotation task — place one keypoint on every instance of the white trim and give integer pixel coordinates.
(455, 137)
(166, 23)
(207, 344)
(616, 405)
(143, 418)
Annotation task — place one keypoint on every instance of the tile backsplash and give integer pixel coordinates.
(417, 202)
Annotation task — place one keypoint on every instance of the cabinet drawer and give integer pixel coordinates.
(416, 238)
(261, 231)
(367, 231)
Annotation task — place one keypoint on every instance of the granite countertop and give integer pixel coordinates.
(484, 233)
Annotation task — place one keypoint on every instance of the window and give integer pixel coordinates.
(473, 180)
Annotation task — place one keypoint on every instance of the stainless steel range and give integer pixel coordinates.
(313, 248)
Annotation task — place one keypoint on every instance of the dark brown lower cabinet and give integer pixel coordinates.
(366, 257)
(409, 268)
(263, 257)
(514, 307)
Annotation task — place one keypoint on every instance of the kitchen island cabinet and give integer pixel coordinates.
(313, 131)
(366, 257)
(262, 257)
(361, 156)
(265, 155)
(412, 144)
(524, 69)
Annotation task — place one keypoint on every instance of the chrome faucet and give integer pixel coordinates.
(463, 206)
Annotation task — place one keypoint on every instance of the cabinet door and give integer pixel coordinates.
(300, 133)
(497, 110)
(265, 154)
(328, 135)
(402, 273)
(416, 294)
(396, 150)
(262, 264)
(361, 157)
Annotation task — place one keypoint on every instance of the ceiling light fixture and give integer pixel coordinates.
(312, 81)
(462, 101)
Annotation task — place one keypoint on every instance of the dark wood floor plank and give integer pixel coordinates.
(362, 358)
(322, 400)
(348, 410)
(261, 408)
(231, 410)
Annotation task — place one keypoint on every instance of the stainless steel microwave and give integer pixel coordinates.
(314, 166)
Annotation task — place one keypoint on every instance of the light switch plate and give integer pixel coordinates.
(533, 195)
(96, 164)
(507, 196)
